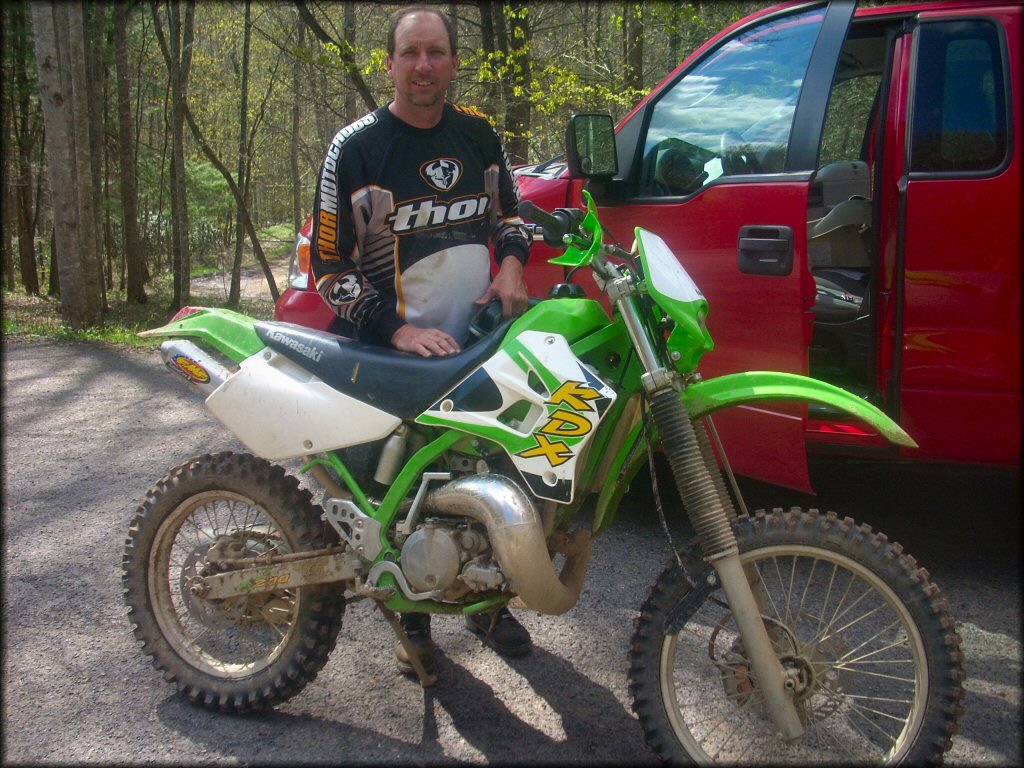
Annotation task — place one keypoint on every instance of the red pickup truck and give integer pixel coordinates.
(845, 187)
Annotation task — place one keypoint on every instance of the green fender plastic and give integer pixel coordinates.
(706, 397)
(734, 389)
(232, 333)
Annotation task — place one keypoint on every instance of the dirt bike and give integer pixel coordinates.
(452, 485)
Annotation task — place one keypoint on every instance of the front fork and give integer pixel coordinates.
(705, 501)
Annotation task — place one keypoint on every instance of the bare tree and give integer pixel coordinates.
(633, 47)
(296, 127)
(60, 59)
(344, 49)
(517, 105)
(176, 47)
(24, 139)
(133, 256)
(234, 292)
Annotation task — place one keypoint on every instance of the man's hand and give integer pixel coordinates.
(424, 341)
(509, 286)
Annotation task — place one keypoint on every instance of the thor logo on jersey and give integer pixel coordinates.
(442, 174)
(346, 289)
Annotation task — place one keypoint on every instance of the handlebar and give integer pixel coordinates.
(555, 225)
(564, 225)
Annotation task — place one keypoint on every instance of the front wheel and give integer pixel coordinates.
(237, 654)
(866, 639)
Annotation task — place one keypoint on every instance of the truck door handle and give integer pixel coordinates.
(766, 250)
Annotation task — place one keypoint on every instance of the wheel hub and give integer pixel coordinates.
(245, 611)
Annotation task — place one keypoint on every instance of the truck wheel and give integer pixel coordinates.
(867, 641)
(239, 654)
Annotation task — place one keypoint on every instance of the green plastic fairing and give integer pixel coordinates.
(232, 333)
(712, 395)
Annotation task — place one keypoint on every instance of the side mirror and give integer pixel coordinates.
(590, 146)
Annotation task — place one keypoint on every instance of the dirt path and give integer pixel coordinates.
(253, 284)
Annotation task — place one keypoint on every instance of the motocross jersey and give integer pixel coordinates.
(402, 217)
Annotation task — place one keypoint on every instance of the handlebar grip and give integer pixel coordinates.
(554, 226)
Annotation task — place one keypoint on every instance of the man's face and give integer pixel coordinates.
(423, 63)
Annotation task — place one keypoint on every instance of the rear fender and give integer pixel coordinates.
(231, 333)
(706, 397)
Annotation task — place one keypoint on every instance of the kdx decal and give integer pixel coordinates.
(555, 452)
(563, 422)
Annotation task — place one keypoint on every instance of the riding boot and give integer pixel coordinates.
(417, 627)
(500, 631)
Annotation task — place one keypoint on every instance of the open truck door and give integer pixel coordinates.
(721, 158)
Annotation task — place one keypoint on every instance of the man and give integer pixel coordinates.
(407, 199)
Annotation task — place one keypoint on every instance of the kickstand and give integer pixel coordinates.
(410, 650)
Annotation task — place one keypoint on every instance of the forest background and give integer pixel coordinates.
(147, 143)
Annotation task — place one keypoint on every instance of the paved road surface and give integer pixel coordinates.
(86, 429)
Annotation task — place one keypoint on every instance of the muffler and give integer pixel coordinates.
(517, 537)
(197, 366)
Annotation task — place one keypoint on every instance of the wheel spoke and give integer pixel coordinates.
(835, 623)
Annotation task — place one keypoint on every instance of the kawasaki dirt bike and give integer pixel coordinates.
(451, 484)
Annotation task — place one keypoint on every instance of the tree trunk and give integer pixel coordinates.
(517, 107)
(176, 47)
(60, 58)
(94, 75)
(234, 293)
(18, 37)
(293, 155)
(238, 193)
(133, 257)
(7, 206)
(633, 48)
(344, 51)
(488, 43)
(53, 281)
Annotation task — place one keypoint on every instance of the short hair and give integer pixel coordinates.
(401, 13)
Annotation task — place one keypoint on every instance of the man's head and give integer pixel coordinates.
(422, 62)
(401, 13)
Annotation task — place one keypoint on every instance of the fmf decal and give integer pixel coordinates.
(191, 368)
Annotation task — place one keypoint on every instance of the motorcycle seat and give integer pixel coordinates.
(401, 384)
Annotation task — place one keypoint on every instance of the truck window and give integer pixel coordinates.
(852, 106)
(959, 114)
(732, 114)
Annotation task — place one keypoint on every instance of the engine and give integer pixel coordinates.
(450, 555)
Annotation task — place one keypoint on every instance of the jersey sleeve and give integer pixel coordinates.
(335, 254)
(508, 232)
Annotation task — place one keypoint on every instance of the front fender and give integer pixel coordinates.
(734, 389)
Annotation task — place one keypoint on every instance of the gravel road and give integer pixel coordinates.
(88, 428)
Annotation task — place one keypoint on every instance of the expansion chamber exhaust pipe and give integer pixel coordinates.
(517, 537)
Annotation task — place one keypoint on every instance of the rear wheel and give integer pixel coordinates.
(867, 641)
(237, 654)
